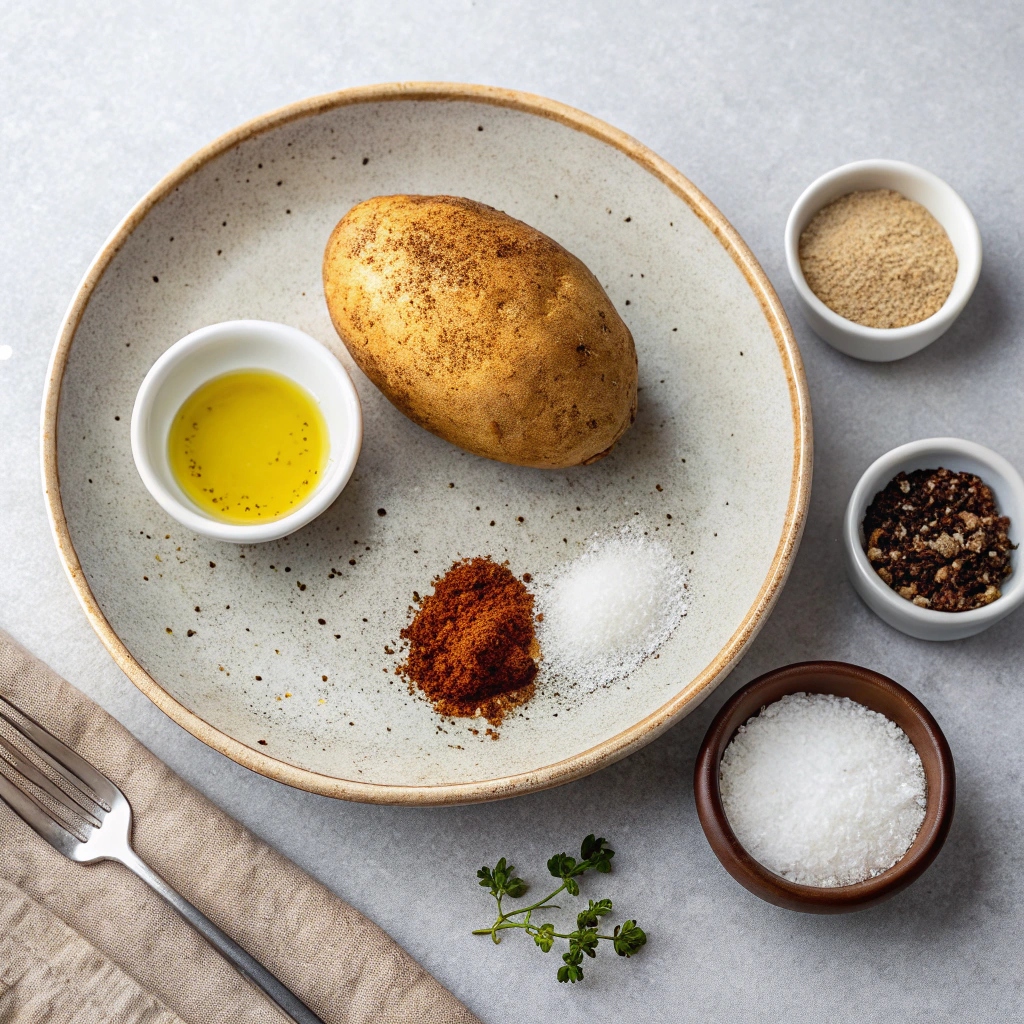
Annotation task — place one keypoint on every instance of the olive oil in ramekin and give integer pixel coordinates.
(248, 446)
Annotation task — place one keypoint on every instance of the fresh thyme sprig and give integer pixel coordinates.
(596, 855)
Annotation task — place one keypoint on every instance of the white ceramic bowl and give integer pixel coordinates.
(877, 344)
(931, 453)
(237, 345)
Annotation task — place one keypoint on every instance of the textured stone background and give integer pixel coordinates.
(752, 101)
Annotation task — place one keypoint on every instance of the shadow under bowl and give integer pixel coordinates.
(876, 692)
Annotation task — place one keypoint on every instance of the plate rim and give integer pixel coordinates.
(567, 769)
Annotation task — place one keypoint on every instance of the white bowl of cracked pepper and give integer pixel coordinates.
(929, 535)
(884, 256)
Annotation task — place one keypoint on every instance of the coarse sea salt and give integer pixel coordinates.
(607, 611)
(822, 790)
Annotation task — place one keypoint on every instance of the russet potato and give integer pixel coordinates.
(481, 329)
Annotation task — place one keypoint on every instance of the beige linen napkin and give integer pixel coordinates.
(94, 943)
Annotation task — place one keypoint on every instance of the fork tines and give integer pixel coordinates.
(86, 796)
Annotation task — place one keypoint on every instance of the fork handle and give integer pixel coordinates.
(247, 965)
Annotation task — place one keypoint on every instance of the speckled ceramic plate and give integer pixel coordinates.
(280, 655)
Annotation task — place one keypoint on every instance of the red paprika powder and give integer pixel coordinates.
(472, 648)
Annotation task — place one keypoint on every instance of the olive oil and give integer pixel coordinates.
(248, 445)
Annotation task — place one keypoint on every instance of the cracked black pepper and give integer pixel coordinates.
(936, 537)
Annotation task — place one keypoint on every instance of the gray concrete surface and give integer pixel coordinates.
(752, 101)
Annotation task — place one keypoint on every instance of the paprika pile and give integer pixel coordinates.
(472, 648)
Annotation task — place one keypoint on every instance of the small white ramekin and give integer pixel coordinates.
(880, 344)
(244, 345)
(933, 453)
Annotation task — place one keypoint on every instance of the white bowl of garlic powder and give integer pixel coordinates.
(920, 187)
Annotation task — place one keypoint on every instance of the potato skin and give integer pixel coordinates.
(481, 329)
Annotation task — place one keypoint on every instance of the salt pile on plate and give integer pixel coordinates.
(822, 790)
(608, 610)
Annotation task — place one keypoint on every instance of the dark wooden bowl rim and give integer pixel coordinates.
(877, 692)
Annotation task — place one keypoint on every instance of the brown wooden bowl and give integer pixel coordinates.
(874, 691)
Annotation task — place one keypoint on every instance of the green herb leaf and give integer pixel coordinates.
(597, 853)
(583, 940)
(562, 865)
(589, 917)
(545, 937)
(628, 938)
(501, 880)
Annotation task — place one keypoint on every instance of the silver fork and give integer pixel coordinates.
(99, 828)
